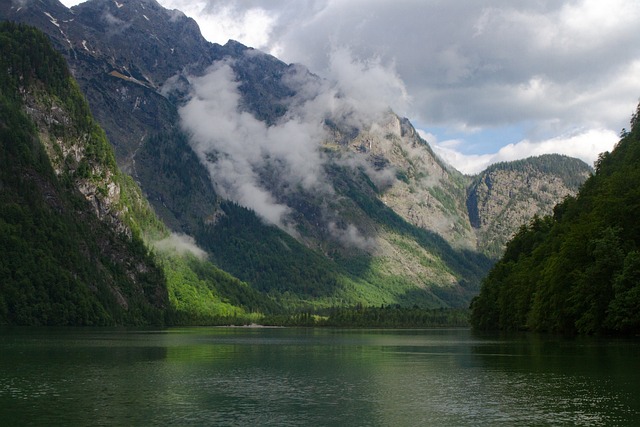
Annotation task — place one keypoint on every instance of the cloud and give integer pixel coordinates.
(586, 146)
(181, 244)
(381, 178)
(350, 236)
(548, 67)
(20, 3)
(70, 3)
(115, 24)
(242, 153)
(251, 24)
(370, 87)
(257, 165)
(231, 143)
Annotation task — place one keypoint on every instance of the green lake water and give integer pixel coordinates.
(314, 377)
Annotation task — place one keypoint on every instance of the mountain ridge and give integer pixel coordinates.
(390, 224)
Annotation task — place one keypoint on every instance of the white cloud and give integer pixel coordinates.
(371, 87)
(351, 236)
(220, 22)
(231, 143)
(556, 66)
(242, 152)
(70, 3)
(585, 145)
(181, 244)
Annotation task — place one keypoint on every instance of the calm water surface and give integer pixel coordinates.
(313, 377)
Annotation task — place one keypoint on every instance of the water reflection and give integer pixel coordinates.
(240, 376)
(552, 380)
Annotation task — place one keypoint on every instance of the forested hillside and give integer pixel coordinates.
(60, 263)
(308, 199)
(577, 271)
(75, 232)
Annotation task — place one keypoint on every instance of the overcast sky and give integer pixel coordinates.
(483, 81)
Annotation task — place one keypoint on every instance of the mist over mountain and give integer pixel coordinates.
(312, 191)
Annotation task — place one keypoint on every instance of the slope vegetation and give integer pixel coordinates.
(66, 256)
(577, 271)
(73, 227)
(286, 184)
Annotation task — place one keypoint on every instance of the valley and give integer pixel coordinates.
(296, 196)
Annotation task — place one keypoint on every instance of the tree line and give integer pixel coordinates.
(576, 271)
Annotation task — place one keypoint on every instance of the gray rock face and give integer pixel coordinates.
(507, 195)
(134, 61)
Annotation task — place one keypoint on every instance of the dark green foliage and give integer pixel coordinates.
(392, 316)
(41, 66)
(396, 317)
(59, 265)
(578, 271)
(569, 169)
(266, 257)
(53, 270)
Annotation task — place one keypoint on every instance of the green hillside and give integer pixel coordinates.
(59, 264)
(73, 227)
(577, 271)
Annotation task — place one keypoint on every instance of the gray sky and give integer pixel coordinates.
(483, 81)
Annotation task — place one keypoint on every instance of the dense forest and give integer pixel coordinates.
(59, 264)
(577, 271)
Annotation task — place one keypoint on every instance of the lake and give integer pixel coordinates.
(314, 377)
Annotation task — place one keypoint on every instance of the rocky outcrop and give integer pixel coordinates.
(422, 189)
(508, 195)
(393, 202)
(67, 151)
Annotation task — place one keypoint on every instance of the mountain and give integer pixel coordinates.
(71, 250)
(577, 271)
(288, 184)
(509, 194)
(79, 243)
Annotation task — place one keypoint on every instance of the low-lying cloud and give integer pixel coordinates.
(255, 164)
(351, 236)
(180, 244)
(239, 149)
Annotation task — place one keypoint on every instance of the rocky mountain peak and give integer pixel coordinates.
(143, 39)
(508, 194)
(382, 202)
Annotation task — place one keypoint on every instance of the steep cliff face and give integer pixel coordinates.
(385, 221)
(507, 195)
(71, 157)
(71, 250)
(426, 192)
